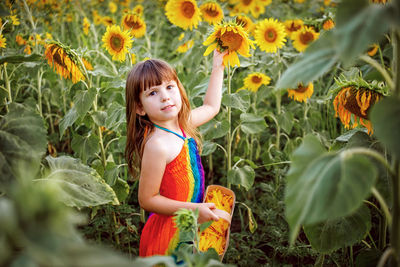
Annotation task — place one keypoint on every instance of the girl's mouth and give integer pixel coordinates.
(167, 107)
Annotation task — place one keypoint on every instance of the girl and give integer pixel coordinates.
(162, 139)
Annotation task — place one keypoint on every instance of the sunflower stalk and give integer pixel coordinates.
(229, 137)
(8, 86)
(39, 90)
(103, 152)
(379, 68)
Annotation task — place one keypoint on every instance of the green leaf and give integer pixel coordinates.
(286, 120)
(386, 121)
(20, 58)
(252, 124)
(208, 148)
(323, 186)
(242, 176)
(238, 100)
(121, 189)
(319, 57)
(80, 185)
(115, 116)
(85, 146)
(111, 173)
(83, 100)
(99, 117)
(338, 233)
(22, 142)
(69, 119)
(215, 129)
(204, 226)
(252, 221)
(348, 9)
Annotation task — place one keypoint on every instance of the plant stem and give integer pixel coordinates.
(7, 81)
(278, 112)
(382, 202)
(379, 68)
(395, 229)
(39, 90)
(103, 152)
(396, 57)
(229, 136)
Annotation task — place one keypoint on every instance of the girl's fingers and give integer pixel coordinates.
(211, 205)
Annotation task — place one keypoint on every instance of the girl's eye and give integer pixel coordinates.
(152, 93)
(169, 87)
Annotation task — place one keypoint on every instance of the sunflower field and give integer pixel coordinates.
(308, 135)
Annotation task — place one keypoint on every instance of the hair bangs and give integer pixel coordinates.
(155, 72)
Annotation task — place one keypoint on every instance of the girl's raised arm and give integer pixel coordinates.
(212, 99)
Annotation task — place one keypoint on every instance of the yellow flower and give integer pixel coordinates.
(138, 9)
(28, 49)
(133, 58)
(112, 7)
(293, 25)
(135, 24)
(212, 12)
(301, 93)
(183, 48)
(86, 26)
(254, 80)
(183, 13)
(2, 41)
(270, 35)
(87, 64)
(49, 36)
(232, 37)
(303, 37)
(328, 24)
(107, 21)
(299, 1)
(245, 22)
(15, 20)
(97, 19)
(20, 40)
(117, 42)
(355, 102)
(63, 62)
(244, 6)
(69, 17)
(372, 50)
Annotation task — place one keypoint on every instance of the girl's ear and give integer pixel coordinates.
(139, 110)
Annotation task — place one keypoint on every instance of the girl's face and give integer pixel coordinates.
(161, 103)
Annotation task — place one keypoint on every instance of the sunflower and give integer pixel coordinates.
(138, 9)
(232, 37)
(183, 48)
(212, 12)
(328, 24)
(20, 40)
(117, 42)
(112, 7)
(303, 37)
(183, 13)
(2, 41)
(135, 24)
(15, 20)
(292, 25)
(254, 80)
(87, 64)
(356, 102)
(301, 93)
(86, 25)
(245, 22)
(27, 49)
(133, 58)
(244, 6)
(107, 21)
(372, 50)
(270, 35)
(97, 19)
(63, 62)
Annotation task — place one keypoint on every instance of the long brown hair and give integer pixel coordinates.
(145, 74)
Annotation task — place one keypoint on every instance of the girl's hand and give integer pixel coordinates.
(205, 212)
(218, 59)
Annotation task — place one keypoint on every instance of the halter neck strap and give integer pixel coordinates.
(165, 129)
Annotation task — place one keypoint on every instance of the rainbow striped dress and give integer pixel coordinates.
(183, 180)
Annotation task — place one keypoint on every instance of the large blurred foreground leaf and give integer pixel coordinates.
(80, 185)
(22, 142)
(331, 235)
(38, 230)
(325, 186)
(386, 121)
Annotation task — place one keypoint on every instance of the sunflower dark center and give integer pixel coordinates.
(116, 43)
(57, 57)
(352, 104)
(301, 88)
(256, 79)
(212, 13)
(270, 35)
(187, 9)
(293, 27)
(306, 38)
(247, 2)
(131, 23)
(231, 40)
(241, 22)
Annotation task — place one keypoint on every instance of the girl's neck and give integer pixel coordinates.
(170, 125)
